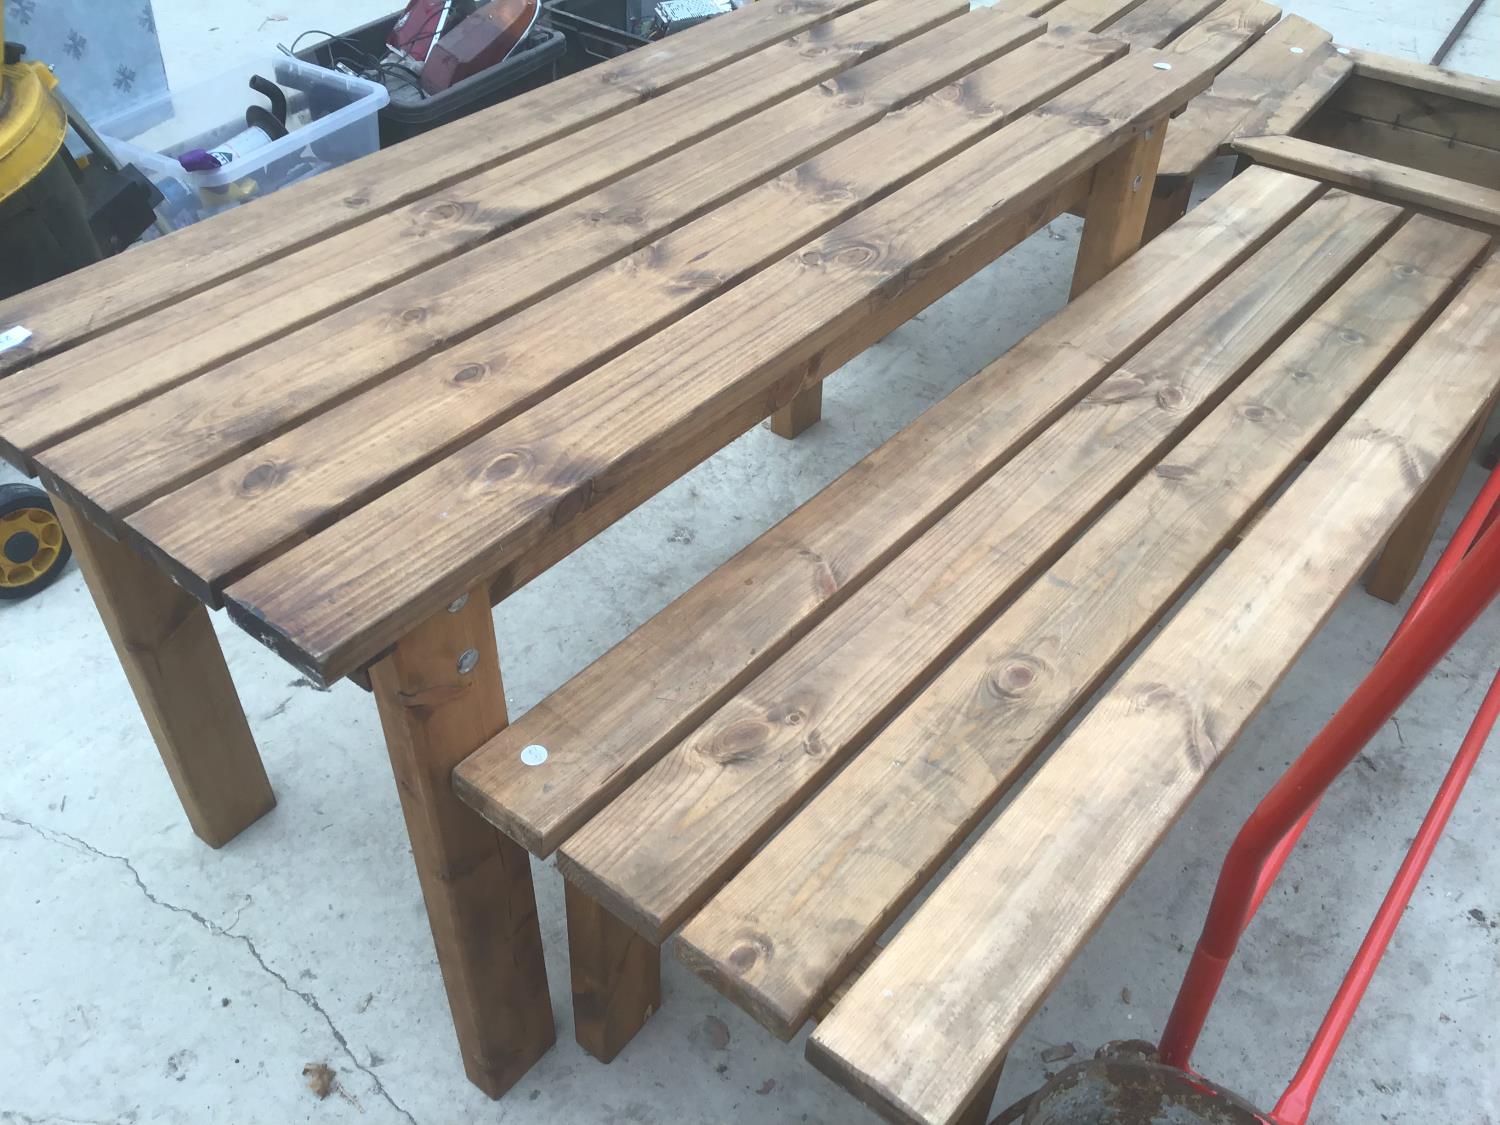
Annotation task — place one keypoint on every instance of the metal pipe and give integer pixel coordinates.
(1454, 605)
(1296, 1102)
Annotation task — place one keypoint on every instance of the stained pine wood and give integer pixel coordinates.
(1088, 15)
(804, 411)
(1293, 67)
(814, 900)
(733, 351)
(1116, 210)
(1156, 23)
(1443, 156)
(605, 726)
(1002, 926)
(1420, 76)
(1393, 570)
(62, 314)
(476, 883)
(1377, 177)
(266, 306)
(418, 414)
(176, 669)
(616, 976)
(662, 847)
(1458, 116)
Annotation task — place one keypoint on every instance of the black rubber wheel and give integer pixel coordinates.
(33, 549)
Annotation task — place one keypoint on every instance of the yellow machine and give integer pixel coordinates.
(44, 232)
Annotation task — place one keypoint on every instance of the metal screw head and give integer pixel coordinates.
(468, 660)
(458, 603)
(533, 755)
(1162, 65)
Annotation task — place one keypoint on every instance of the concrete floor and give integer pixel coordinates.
(146, 978)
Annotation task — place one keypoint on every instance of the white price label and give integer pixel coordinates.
(14, 337)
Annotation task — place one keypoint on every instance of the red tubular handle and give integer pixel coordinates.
(1457, 592)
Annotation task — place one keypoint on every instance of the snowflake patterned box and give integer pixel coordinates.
(229, 133)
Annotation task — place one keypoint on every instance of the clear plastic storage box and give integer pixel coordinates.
(330, 118)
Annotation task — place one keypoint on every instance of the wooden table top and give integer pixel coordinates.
(339, 408)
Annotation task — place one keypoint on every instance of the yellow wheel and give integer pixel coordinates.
(33, 549)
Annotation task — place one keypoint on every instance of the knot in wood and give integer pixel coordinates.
(265, 476)
(741, 741)
(753, 948)
(471, 373)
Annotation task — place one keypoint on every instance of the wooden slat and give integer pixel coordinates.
(816, 898)
(1240, 21)
(1428, 152)
(117, 465)
(1157, 22)
(216, 527)
(663, 846)
(64, 312)
(1377, 177)
(1294, 64)
(97, 379)
(1004, 924)
(332, 602)
(1089, 15)
(606, 725)
(1449, 118)
(1420, 76)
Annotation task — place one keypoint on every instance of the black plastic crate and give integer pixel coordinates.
(596, 29)
(533, 64)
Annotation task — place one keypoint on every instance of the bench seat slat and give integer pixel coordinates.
(215, 528)
(664, 845)
(62, 313)
(820, 893)
(263, 309)
(1276, 83)
(919, 1032)
(334, 601)
(608, 723)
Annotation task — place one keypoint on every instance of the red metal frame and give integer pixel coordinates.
(1464, 581)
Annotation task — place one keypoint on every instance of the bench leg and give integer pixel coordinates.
(1116, 210)
(616, 976)
(799, 414)
(978, 1110)
(176, 668)
(1169, 202)
(440, 696)
(1402, 555)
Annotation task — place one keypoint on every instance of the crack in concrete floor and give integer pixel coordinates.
(68, 840)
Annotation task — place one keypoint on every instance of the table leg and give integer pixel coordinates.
(176, 668)
(799, 414)
(1402, 555)
(1169, 202)
(616, 976)
(440, 696)
(978, 1111)
(1124, 184)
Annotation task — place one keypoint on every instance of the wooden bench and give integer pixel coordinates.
(358, 411)
(779, 763)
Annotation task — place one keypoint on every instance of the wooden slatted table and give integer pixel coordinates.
(515, 333)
